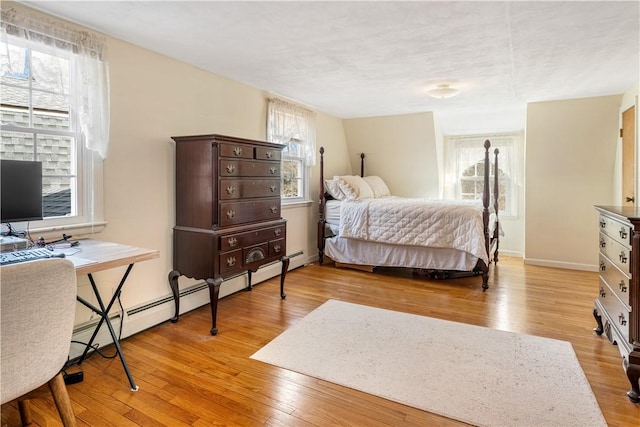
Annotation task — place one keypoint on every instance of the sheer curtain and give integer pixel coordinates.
(89, 68)
(288, 122)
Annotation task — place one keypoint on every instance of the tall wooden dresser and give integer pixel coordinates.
(617, 308)
(228, 219)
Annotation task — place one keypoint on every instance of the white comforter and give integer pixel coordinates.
(416, 222)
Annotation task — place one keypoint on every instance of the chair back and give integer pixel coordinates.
(37, 302)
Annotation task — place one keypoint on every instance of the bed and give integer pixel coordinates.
(363, 226)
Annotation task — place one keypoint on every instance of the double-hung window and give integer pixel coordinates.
(465, 168)
(54, 109)
(294, 127)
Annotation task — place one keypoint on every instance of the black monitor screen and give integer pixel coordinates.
(20, 190)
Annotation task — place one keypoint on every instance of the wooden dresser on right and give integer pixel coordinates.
(617, 308)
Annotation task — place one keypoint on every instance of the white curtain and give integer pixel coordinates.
(288, 122)
(465, 151)
(89, 68)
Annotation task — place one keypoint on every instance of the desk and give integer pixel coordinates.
(104, 256)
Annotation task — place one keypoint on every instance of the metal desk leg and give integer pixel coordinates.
(104, 317)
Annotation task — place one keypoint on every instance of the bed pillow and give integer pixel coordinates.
(332, 187)
(354, 187)
(378, 186)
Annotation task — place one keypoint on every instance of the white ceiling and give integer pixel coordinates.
(363, 59)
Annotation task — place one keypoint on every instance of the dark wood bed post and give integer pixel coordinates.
(321, 220)
(362, 165)
(486, 193)
(496, 206)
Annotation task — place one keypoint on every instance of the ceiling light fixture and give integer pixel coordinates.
(443, 91)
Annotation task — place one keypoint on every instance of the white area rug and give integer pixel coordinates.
(469, 373)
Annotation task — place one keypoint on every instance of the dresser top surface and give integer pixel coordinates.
(632, 213)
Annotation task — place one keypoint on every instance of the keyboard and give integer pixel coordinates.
(28, 255)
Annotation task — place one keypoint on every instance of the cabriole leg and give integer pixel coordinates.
(214, 291)
(173, 283)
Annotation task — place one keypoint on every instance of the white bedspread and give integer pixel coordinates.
(416, 222)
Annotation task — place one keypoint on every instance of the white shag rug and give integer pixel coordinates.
(473, 374)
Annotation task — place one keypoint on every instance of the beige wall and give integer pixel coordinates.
(570, 152)
(400, 149)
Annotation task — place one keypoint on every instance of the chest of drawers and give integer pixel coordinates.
(228, 219)
(617, 307)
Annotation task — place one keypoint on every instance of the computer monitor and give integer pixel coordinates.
(20, 190)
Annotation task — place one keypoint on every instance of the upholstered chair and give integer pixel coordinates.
(38, 309)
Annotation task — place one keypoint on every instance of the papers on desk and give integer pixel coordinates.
(79, 262)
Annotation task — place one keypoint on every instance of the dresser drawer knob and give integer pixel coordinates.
(274, 209)
(231, 214)
(623, 258)
(603, 266)
(603, 224)
(623, 233)
(232, 241)
(623, 286)
(273, 188)
(231, 189)
(273, 170)
(277, 232)
(603, 294)
(231, 168)
(269, 154)
(603, 244)
(237, 151)
(276, 248)
(622, 320)
(231, 261)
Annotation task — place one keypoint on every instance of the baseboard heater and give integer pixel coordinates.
(190, 290)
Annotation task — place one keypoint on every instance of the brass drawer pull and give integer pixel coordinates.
(273, 170)
(231, 168)
(277, 232)
(623, 286)
(602, 293)
(623, 233)
(623, 258)
(603, 224)
(603, 266)
(622, 320)
(603, 244)
(231, 189)
(273, 188)
(230, 214)
(232, 241)
(274, 209)
(269, 154)
(276, 248)
(231, 261)
(237, 151)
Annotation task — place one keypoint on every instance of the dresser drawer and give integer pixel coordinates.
(231, 262)
(248, 188)
(267, 154)
(238, 151)
(615, 308)
(618, 254)
(616, 230)
(277, 247)
(249, 238)
(616, 279)
(231, 167)
(255, 254)
(232, 213)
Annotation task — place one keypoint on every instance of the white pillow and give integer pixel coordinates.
(332, 187)
(378, 186)
(354, 187)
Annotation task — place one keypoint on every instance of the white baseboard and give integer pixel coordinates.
(559, 264)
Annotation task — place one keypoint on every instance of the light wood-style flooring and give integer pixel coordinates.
(190, 378)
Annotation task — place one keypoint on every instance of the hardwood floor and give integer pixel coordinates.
(190, 378)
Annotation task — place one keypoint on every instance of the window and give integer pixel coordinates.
(54, 109)
(465, 169)
(294, 127)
